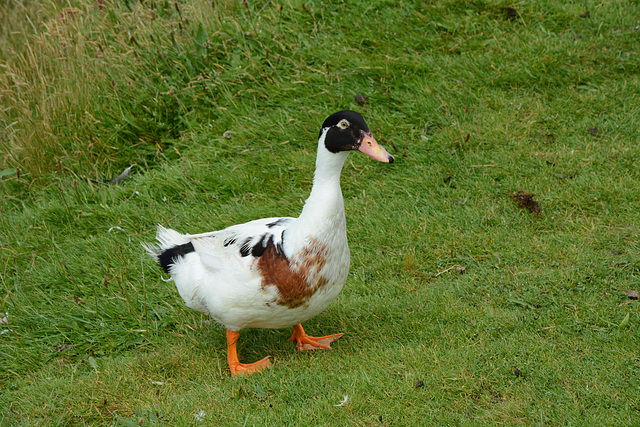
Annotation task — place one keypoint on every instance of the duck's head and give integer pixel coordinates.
(346, 131)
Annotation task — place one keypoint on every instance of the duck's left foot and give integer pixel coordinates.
(249, 368)
(307, 342)
(235, 366)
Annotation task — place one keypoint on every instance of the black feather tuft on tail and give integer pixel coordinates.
(169, 256)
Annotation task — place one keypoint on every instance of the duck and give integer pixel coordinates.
(274, 272)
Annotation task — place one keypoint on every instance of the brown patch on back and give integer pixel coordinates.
(296, 280)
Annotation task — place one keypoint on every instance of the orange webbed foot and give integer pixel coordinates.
(235, 366)
(249, 368)
(307, 342)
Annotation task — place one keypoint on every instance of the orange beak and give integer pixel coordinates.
(371, 148)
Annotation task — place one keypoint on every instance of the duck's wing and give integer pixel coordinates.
(238, 245)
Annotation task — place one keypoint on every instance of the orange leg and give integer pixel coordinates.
(307, 342)
(236, 367)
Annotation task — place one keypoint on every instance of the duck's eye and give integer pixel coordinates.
(343, 124)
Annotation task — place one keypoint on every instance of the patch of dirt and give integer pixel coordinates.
(548, 138)
(361, 99)
(510, 13)
(525, 201)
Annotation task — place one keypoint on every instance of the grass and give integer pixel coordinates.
(462, 308)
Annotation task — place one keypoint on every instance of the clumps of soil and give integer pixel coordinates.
(525, 201)
(547, 138)
(361, 99)
(510, 13)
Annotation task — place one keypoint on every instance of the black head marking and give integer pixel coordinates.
(169, 256)
(346, 129)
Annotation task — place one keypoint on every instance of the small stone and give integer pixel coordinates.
(562, 176)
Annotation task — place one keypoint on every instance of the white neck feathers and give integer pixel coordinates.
(325, 207)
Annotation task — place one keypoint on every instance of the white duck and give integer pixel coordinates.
(274, 272)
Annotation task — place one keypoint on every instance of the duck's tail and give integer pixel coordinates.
(172, 245)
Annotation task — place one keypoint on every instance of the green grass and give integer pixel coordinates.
(218, 107)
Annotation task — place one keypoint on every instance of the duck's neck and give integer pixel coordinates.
(324, 209)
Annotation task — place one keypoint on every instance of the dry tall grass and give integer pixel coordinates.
(72, 88)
